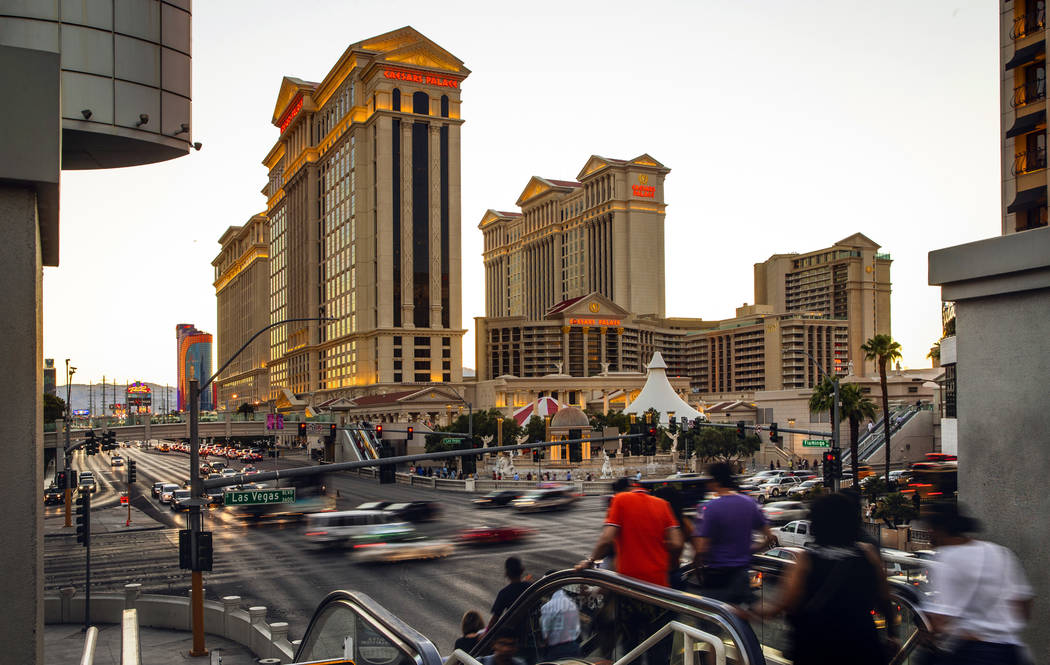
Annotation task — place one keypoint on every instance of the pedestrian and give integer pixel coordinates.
(778, 464)
(471, 627)
(517, 582)
(722, 538)
(980, 600)
(568, 475)
(504, 650)
(833, 591)
(770, 465)
(638, 476)
(916, 501)
(560, 626)
(516, 476)
(791, 464)
(871, 426)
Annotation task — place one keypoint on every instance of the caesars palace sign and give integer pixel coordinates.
(420, 77)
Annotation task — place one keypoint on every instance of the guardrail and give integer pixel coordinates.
(90, 640)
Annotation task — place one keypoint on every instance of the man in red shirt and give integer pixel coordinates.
(644, 533)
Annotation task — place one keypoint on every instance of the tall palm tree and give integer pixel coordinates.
(853, 405)
(884, 350)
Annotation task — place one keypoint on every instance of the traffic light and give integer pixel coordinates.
(575, 449)
(836, 464)
(185, 553)
(409, 431)
(90, 443)
(379, 432)
(331, 432)
(672, 425)
(111, 440)
(650, 440)
(302, 429)
(469, 463)
(132, 471)
(60, 480)
(773, 435)
(83, 518)
(204, 551)
(386, 471)
(741, 430)
(536, 456)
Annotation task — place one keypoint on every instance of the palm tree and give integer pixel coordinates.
(884, 350)
(853, 405)
(935, 353)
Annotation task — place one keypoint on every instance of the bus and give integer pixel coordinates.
(682, 492)
(933, 480)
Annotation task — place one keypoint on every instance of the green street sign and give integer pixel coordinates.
(815, 443)
(450, 441)
(257, 497)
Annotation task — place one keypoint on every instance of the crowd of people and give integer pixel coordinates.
(832, 598)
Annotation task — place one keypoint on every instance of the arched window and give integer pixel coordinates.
(397, 99)
(444, 106)
(421, 103)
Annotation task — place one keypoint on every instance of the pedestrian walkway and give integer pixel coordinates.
(104, 520)
(64, 644)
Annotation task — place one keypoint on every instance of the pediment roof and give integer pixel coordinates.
(430, 394)
(408, 46)
(582, 306)
(597, 163)
(538, 186)
(496, 215)
(859, 240)
(290, 88)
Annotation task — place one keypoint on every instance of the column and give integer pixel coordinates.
(619, 349)
(586, 344)
(435, 231)
(407, 306)
(601, 344)
(565, 349)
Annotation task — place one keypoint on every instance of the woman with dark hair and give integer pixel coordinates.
(980, 599)
(830, 592)
(471, 626)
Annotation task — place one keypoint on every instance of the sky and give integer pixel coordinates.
(786, 125)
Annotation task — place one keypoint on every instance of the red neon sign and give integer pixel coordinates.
(420, 77)
(645, 191)
(290, 114)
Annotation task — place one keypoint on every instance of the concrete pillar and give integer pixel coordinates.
(278, 631)
(406, 303)
(66, 594)
(131, 594)
(257, 614)
(22, 428)
(565, 349)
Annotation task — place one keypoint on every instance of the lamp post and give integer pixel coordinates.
(193, 517)
(835, 481)
(67, 493)
(470, 412)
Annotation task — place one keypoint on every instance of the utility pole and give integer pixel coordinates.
(67, 493)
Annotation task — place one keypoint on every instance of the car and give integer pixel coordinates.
(179, 499)
(784, 553)
(53, 495)
(156, 488)
(419, 547)
(217, 467)
(163, 448)
(496, 499)
(248, 470)
(493, 534)
(794, 534)
(166, 491)
(327, 529)
(87, 482)
(213, 496)
(373, 505)
(553, 498)
(803, 490)
(228, 473)
(414, 511)
(116, 460)
(782, 512)
(776, 487)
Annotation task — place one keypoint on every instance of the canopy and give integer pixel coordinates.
(658, 394)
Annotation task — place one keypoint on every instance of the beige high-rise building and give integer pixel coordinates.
(363, 199)
(601, 233)
(1023, 59)
(242, 295)
(848, 281)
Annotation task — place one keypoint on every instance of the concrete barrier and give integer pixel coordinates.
(223, 618)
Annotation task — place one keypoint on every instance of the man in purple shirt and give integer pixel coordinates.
(722, 538)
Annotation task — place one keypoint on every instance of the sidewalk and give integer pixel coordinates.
(104, 520)
(64, 644)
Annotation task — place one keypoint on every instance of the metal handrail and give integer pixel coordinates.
(1029, 161)
(1028, 23)
(689, 634)
(90, 640)
(130, 650)
(462, 657)
(407, 638)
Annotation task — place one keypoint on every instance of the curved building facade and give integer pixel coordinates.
(194, 361)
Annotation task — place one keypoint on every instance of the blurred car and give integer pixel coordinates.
(53, 495)
(493, 534)
(156, 488)
(87, 482)
(554, 498)
(496, 499)
(336, 528)
(248, 470)
(782, 512)
(373, 505)
(116, 460)
(803, 490)
(163, 448)
(776, 487)
(405, 550)
(179, 499)
(784, 553)
(414, 511)
(795, 534)
(214, 496)
(166, 490)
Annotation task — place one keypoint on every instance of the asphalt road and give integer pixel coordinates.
(269, 563)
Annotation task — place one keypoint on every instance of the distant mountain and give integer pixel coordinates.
(83, 396)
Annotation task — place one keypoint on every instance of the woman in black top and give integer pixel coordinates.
(830, 592)
(471, 625)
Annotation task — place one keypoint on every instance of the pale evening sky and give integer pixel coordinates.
(787, 126)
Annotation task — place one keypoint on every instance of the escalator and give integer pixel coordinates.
(621, 621)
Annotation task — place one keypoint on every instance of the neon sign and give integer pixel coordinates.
(419, 77)
(290, 114)
(594, 322)
(644, 191)
(138, 388)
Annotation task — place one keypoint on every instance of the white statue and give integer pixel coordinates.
(605, 368)
(558, 365)
(521, 439)
(606, 465)
(674, 444)
(486, 440)
(849, 367)
(505, 466)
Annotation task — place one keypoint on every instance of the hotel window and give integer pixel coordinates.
(444, 106)
(420, 103)
(1033, 218)
(396, 104)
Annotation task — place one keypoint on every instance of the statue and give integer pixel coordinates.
(606, 465)
(558, 366)
(674, 444)
(486, 440)
(605, 368)
(521, 439)
(505, 466)
(849, 367)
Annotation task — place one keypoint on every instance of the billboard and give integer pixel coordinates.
(139, 397)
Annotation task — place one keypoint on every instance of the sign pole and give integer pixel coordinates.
(194, 524)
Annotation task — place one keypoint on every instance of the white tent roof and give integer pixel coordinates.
(658, 394)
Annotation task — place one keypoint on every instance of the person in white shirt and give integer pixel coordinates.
(980, 597)
(560, 624)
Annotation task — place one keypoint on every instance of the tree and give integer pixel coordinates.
(720, 444)
(895, 508)
(247, 410)
(535, 429)
(884, 350)
(935, 353)
(853, 405)
(617, 419)
(54, 408)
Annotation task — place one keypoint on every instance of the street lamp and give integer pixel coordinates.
(193, 517)
(470, 411)
(67, 493)
(835, 481)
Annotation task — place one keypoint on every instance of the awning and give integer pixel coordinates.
(1026, 123)
(1025, 55)
(1028, 199)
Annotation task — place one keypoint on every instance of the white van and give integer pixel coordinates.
(328, 529)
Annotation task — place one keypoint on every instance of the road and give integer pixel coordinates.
(268, 563)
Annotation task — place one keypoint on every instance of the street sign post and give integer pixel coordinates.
(815, 443)
(259, 497)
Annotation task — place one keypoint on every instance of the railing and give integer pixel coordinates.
(1028, 93)
(90, 640)
(1028, 23)
(1029, 161)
